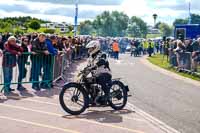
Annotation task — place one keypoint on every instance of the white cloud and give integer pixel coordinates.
(53, 18)
(167, 10)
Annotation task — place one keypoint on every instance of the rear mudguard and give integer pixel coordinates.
(125, 86)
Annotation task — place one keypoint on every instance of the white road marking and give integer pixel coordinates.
(163, 126)
(38, 124)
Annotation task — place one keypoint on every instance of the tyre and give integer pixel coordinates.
(73, 99)
(118, 95)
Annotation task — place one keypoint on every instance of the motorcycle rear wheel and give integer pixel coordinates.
(118, 93)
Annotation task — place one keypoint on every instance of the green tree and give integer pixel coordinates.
(70, 27)
(195, 18)
(34, 24)
(133, 30)
(137, 27)
(86, 28)
(97, 25)
(165, 29)
(180, 21)
(50, 31)
(111, 24)
(157, 25)
(106, 24)
(6, 27)
(120, 23)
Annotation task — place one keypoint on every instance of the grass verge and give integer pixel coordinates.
(158, 60)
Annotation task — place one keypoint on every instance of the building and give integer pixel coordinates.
(190, 31)
(54, 25)
(152, 30)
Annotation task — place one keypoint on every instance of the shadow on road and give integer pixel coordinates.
(108, 116)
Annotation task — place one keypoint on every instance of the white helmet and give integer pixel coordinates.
(95, 45)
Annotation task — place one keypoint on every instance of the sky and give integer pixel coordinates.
(64, 10)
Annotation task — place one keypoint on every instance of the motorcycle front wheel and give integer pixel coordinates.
(73, 99)
(118, 95)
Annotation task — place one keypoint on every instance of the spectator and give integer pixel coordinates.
(51, 43)
(179, 53)
(145, 47)
(150, 48)
(133, 50)
(115, 47)
(188, 45)
(157, 46)
(196, 55)
(39, 50)
(22, 60)
(1, 43)
(67, 49)
(1, 46)
(59, 45)
(166, 48)
(73, 47)
(161, 47)
(172, 55)
(78, 48)
(9, 61)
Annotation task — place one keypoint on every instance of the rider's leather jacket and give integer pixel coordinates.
(98, 59)
(98, 63)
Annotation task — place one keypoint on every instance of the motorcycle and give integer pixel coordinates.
(76, 97)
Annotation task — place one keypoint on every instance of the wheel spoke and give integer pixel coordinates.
(73, 100)
(117, 96)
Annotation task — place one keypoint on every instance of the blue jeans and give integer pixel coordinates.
(116, 55)
(7, 73)
(73, 54)
(48, 71)
(173, 60)
(22, 68)
(36, 70)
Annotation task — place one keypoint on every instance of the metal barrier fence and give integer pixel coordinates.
(184, 62)
(61, 61)
(35, 69)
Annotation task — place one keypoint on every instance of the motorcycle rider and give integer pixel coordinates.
(99, 66)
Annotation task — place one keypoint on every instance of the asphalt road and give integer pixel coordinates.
(171, 100)
(37, 112)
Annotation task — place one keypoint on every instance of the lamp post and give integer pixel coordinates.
(155, 16)
(189, 9)
(76, 17)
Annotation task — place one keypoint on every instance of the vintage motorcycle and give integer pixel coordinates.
(76, 97)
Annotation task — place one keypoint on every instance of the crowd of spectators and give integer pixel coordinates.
(39, 48)
(183, 54)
